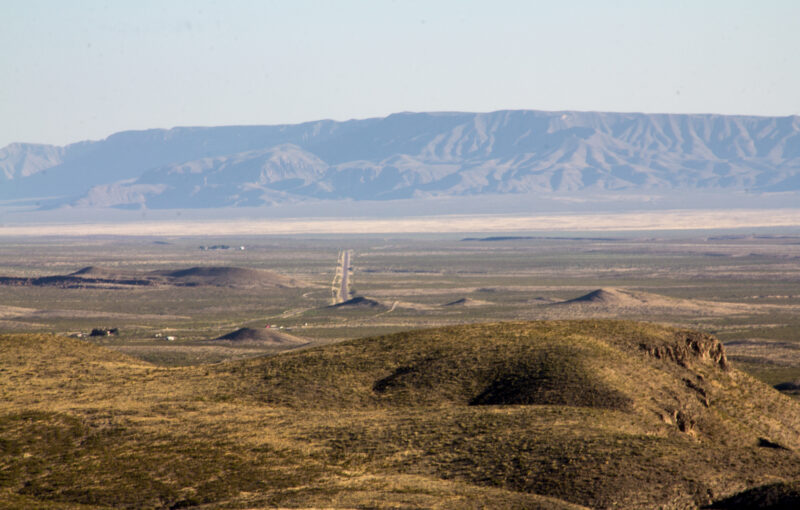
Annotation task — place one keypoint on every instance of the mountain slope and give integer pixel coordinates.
(600, 414)
(18, 160)
(412, 155)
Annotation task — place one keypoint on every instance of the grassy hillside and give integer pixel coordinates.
(508, 415)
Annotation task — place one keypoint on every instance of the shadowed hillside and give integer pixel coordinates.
(601, 414)
(775, 496)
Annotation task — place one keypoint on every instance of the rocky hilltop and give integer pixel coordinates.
(410, 155)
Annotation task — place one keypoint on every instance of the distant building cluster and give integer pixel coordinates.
(104, 332)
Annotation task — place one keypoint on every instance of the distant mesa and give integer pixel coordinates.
(538, 238)
(499, 238)
(417, 156)
(260, 337)
(466, 303)
(360, 302)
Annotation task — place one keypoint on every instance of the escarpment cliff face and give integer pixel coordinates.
(412, 155)
(690, 347)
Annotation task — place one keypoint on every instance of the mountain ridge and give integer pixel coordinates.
(411, 155)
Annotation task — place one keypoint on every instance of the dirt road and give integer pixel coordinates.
(340, 287)
(344, 292)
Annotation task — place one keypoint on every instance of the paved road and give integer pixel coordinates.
(344, 293)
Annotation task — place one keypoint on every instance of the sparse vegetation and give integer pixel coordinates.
(456, 414)
(739, 287)
(592, 413)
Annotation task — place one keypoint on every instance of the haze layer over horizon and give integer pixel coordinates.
(78, 71)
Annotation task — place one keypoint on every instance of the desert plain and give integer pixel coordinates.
(535, 369)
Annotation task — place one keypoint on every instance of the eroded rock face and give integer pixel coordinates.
(688, 347)
(689, 350)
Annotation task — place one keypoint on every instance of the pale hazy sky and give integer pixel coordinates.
(76, 70)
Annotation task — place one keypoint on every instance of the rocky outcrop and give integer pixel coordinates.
(690, 347)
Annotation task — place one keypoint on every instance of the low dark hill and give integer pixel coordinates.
(598, 413)
(466, 303)
(104, 277)
(360, 303)
(259, 337)
(88, 277)
(617, 301)
(605, 297)
(96, 271)
(230, 277)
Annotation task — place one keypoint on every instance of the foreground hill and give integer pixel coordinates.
(601, 414)
(411, 155)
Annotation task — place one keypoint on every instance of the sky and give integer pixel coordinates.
(81, 70)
